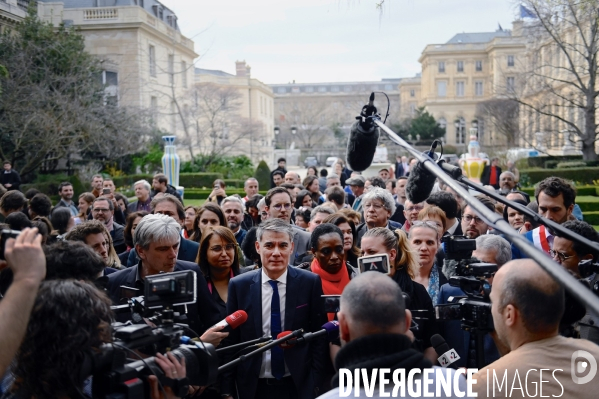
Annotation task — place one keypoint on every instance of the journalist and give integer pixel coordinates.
(373, 322)
(527, 306)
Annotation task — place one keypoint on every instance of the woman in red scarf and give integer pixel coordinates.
(327, 246)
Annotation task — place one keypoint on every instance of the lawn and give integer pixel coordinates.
(194, 202)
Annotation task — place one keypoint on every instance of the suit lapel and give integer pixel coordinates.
(290, 297)
(256, 301)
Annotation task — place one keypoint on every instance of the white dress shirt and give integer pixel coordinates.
(267, 291)
(453, 228)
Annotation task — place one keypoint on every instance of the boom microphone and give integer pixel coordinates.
(446, 355)
(232, 321)
(363, 139)
(420, 184)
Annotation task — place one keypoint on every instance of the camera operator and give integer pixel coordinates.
(490, 248)
(527, 306)
(156, 241)
(569, 254)
(49, 362)
(24, 256)
(373, 322)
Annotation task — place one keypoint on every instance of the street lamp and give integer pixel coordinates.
(293, 132)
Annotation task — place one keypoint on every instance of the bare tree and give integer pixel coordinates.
(559, 81)
(310, 121)
(502, 116)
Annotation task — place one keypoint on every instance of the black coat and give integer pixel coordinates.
(12, 178)
(201, 315)
(485, 178)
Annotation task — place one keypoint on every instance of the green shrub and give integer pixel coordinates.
(48, 184)
(572, 164)
(263, 175)
(591, 218)
(199, 179)
(579, 175)
(539, 162)
(588, 206)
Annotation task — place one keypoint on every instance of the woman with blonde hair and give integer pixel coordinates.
(403, 263)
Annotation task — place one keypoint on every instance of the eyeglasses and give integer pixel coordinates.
(98, 210)
(375, 206)
(469, 218)
(278, 207)
(560, 255)
(263, 213)
(415, 208)
(219, 248)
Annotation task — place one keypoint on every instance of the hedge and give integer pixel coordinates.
(185, 179)
(50, 186)
(582, 190)
(591, 218)
(549, 162)
(588, 206)
(579, 175)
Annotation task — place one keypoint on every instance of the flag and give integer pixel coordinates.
(526, 13)
(500, 28)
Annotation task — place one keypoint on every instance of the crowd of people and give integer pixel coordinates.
(275, 256)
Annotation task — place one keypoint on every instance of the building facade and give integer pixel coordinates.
(247, 126)
(148, 62)
(458, 75)
(317, 116)
(12, 12)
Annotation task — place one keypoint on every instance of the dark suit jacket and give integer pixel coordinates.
(301, 245)
(459, 339)
(188, 251)
(118, 238)
(398, 169)
(201, 315)
(304, 308)
(485, 178)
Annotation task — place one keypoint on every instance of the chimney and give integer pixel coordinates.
(518, 28)
(240, 68)
(248, 71)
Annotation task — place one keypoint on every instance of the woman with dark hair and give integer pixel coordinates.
(219, 261)
(61, 220)
(122, 203)
(209, 215)
(304, 199)
(218, 193)
(248, 247)
(311, 184)
(350, 237)
(132, 221)
(312, 171)
(514, 217)
(302, 217)
(85, 203)
(190, 215)
(251, 209)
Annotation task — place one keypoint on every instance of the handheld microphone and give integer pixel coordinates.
(232, 321)
(330, 329)
(446, 355)
(363, 139)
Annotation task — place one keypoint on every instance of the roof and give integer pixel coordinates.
(215, 72)
(481, 37)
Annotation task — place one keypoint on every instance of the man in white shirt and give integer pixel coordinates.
(277, 298)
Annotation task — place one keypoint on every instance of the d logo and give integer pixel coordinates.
(578, 367)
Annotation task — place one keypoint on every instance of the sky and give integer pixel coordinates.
(312, 41)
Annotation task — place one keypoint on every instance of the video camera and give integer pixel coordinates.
(113, 369)
(474, 309)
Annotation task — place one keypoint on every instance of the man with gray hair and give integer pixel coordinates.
(156, 241)
(490, 248)
(251, 188)
(142, 192)
(292, 178)
(233, 209)
(318, 215)
(374, 326)
(333, 180)
(507, 182)
(277, 297)
(379, 206)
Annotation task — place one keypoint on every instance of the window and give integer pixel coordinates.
(478, 88)
(510, 60)
(171, 68)
(441, 89)
(347, 88)
(335, 88)
(309, 89)
(152, 52)
(184, 73)
(388, 87)
(479, 66)
(322, 89)
(510, 84)
(459, 89)
(460, 66)
(412, 93)
(442, 123)
(412, 109)
(154, 109)
(441, 67)
(281, 90)
(295, 89)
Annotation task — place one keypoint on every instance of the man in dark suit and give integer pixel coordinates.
(490, 175)
(279, 206)
(277, 298)
(449, 205)
(169, 205)
(399, 172)
(157, 239)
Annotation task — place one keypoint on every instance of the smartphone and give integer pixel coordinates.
(216, 187)
(331, 303)
(105, 191)
(5, 234)
(377, 263)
